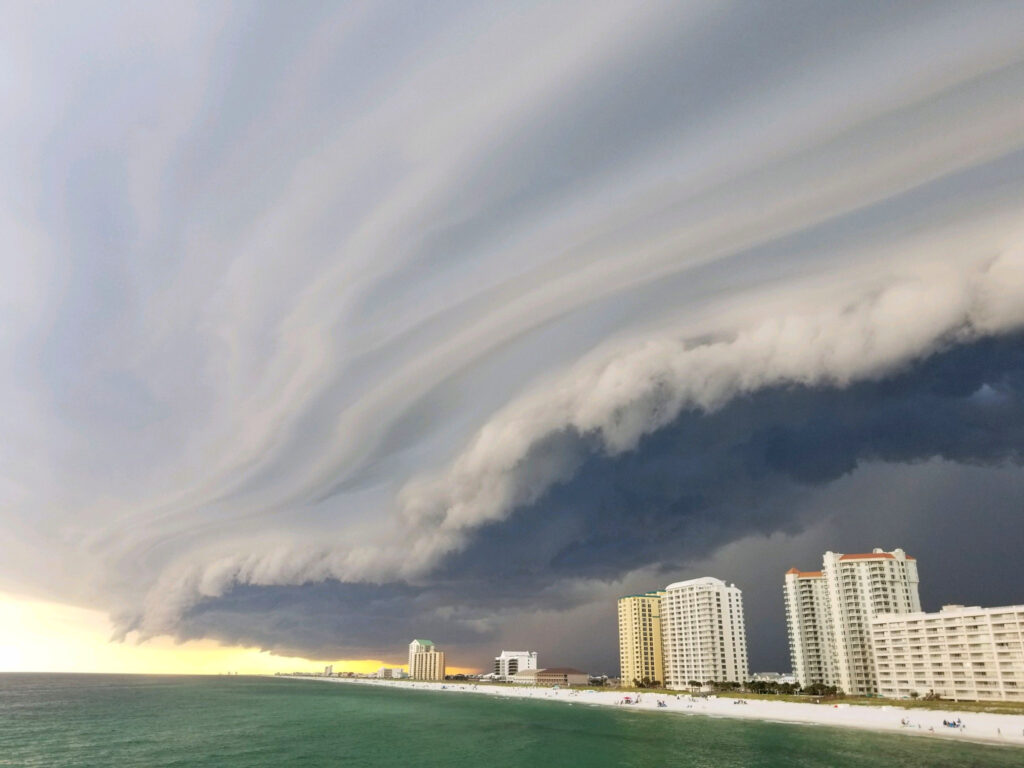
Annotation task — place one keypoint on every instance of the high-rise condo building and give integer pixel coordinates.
(511, 662)
(703, 633)
(959, 653)
(426, 662)
(857, 587)
(809, 623)
(640, 640)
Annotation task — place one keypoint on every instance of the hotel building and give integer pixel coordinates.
(640, 641)
(426, 662)
(809, 624)
(958, 653)
(510, 662)
(703, 633)
(857, 587)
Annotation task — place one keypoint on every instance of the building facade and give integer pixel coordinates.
(773, 677)
(958, 653)
(809, 627)
(831, 636)
(426, 662)
(861, 586)
(511, 662)
(703, 633)
(640, 640)
(561, 676)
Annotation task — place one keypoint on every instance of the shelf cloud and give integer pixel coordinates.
(324, 326)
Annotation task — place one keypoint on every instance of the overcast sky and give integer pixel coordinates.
(324, 326)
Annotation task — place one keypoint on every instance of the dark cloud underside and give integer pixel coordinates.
(876, 461)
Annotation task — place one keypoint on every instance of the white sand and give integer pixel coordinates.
(977, 726)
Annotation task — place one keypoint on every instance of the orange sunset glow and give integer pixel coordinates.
(39, 636)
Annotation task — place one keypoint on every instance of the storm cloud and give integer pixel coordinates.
(754, 469)
(322, 327)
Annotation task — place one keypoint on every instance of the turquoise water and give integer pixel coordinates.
(127, 720)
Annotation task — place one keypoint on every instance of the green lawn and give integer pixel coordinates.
(998, 707)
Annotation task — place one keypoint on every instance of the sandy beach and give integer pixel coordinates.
(975, 726)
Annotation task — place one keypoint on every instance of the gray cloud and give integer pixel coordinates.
(323, 296)
(768, 481)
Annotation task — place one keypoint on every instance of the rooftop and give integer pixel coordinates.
(708, 580)
(655, 593)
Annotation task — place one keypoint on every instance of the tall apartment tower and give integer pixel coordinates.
(809, 623)
(703, 633)
(426, 662)
(860, 587)
(640, 641)
(857, 587)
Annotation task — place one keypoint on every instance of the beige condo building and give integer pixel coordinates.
(426, 662)
(640, 643)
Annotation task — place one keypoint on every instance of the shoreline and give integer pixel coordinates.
(979, 727)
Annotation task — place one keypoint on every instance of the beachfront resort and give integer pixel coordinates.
(855, 628)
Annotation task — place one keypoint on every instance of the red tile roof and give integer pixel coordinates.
(809, 574)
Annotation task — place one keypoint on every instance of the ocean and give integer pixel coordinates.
(148, 720)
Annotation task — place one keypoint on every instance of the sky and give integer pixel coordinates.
(326, 326)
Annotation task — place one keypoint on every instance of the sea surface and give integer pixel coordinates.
(143, 720)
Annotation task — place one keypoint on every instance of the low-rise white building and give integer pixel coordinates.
(510, 662)
(561, 676)
(782, 678)
(960, 652)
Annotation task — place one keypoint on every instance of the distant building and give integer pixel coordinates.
(328, 670)
(640, 640)
(562, 676)
(426, 662)
(703, 633)
(829, 614)
(391, 673)
(781, 678)
(418, 646)
(511, 662)
(958, 653)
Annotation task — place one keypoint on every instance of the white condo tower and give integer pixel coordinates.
(703, 633)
